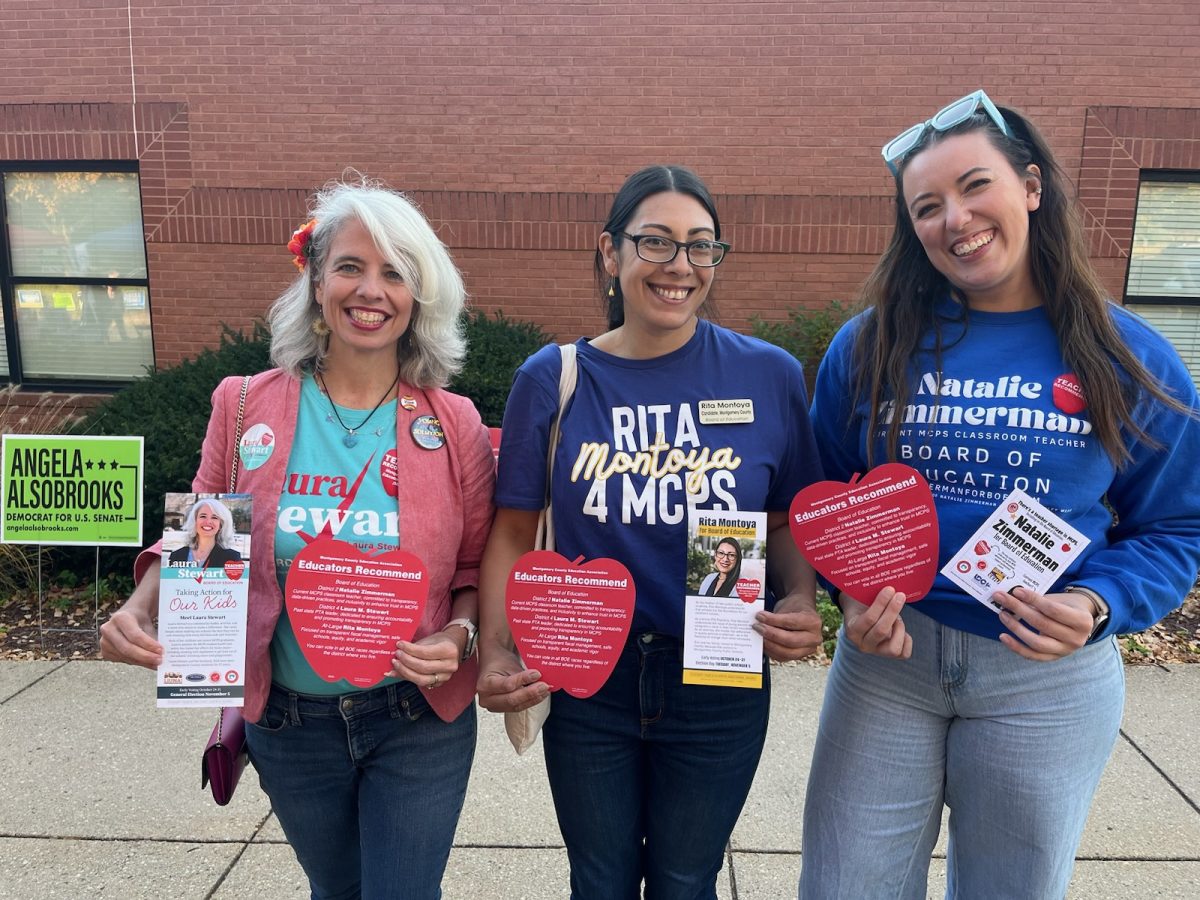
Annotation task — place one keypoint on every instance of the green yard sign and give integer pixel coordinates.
(60, 489)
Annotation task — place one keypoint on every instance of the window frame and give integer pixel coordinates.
(9, 281)
(1175, 176)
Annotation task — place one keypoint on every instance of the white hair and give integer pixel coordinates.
(432, 349)
(224, 536)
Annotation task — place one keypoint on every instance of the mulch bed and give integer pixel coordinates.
(68, 622)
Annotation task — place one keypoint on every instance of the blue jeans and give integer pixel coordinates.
(367, 786)
(649, 775)
(1015, 749)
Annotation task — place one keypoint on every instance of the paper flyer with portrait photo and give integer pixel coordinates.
(202, 600)
(725, 589)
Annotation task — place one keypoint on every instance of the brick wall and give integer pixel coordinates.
(512, 123)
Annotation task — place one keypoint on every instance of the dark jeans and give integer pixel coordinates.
(368, 787)
(650, 774)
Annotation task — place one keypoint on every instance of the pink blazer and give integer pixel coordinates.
(444, 500)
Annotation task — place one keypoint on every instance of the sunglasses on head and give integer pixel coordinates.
(945, 119)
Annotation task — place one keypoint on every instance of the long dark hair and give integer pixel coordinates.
(904, 288)
(735, 573)
(637, 187)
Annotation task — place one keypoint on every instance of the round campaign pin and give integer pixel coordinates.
(408, 402)
(257, 445)
(427, 432)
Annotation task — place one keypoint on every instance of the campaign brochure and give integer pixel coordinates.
(570, 618)
(725, 589)
(872, 532)
(349, 610)
(202, 600)
(1022, 544)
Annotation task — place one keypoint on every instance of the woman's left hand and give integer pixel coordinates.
(1063, 623)
(428, 662)
(793, 631)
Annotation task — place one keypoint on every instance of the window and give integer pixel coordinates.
(75, 290)
(1163, 284)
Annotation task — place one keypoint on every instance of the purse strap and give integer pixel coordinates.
(237, 435)
(233, 476)
(566, 389)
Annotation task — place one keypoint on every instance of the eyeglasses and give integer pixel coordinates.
(726, 554)
(945, 119)
(655, 248)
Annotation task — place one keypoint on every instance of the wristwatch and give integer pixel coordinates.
(1100, 611)
(472, 634)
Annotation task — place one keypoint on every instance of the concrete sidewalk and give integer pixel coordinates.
(101, 798)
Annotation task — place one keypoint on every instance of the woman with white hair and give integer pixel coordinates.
(352, 437)
(208, 530)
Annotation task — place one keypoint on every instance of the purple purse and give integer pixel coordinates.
(224, 756)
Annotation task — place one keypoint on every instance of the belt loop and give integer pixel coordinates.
(293, 708)
(392, 702)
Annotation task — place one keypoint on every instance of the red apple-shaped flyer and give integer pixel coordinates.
(570, 619)
(872, 532)
(348, 610)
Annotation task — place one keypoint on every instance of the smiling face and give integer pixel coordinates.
(661, 298)
(725, 557)
(208, 523)
(363, 298)
(970, 210)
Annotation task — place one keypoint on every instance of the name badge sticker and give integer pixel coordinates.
(726, 412)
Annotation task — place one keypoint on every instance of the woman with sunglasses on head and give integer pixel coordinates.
(649, 774)
(990, 359)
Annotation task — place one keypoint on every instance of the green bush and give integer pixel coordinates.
(806, 333)
(495, 347)
(831, 621)
(170, 408)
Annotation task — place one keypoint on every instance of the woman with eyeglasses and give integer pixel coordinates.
(727, 566)
(990, 358)
(649, 774)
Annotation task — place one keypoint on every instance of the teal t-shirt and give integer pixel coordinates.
(323, 475)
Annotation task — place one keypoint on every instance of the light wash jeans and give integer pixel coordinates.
(649, 775)
(1015, 749)
(367, 786)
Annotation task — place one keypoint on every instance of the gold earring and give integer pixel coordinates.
(319, 326)
(611, 285)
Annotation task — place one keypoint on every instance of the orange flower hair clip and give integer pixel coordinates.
(301, 244)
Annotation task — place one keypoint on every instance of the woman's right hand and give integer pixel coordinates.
(129, 635)
(878, 628)
(505, 685)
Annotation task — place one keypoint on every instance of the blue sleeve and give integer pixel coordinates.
(1153, 553)
(528, 415)
(801, 463)
(835, 424)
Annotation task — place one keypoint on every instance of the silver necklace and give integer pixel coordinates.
(350, 438)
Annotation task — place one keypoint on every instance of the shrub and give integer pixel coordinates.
(496, 347)
(806, 333)
(170, 409)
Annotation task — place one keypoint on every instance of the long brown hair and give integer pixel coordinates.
(903, 290)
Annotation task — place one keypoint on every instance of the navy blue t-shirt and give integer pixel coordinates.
(642, 441)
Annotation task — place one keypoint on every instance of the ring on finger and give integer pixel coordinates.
(436, 678)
